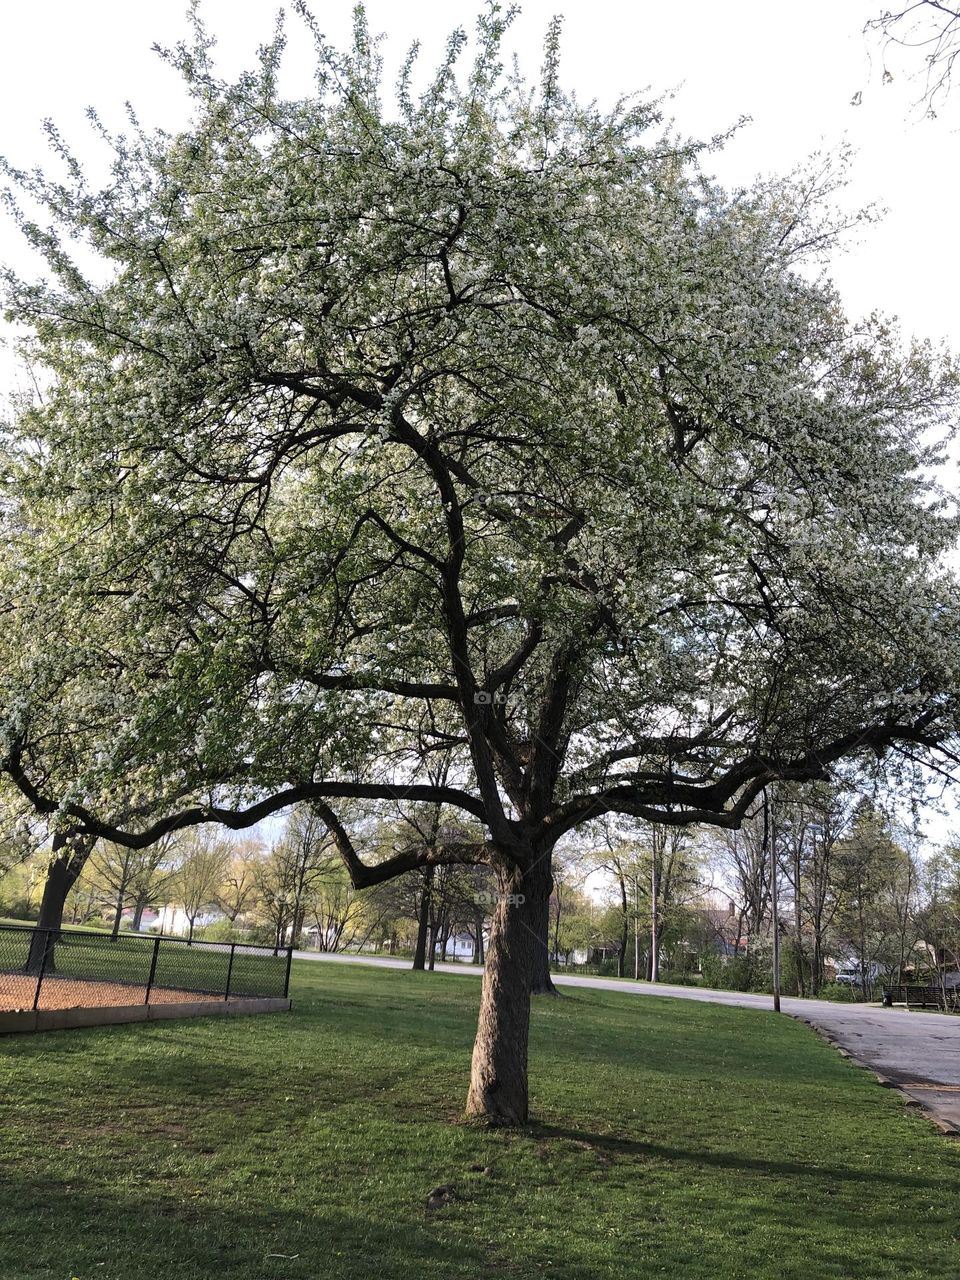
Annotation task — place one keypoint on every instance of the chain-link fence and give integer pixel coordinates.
(74, 968)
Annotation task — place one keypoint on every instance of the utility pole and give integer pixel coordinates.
(771, 846)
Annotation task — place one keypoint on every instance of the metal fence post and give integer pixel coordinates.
(286, 981)
(153, 969)
(233, 952)
(43, 966)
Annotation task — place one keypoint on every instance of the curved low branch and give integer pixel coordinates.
(87, 823)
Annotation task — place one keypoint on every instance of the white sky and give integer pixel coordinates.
(793, 68)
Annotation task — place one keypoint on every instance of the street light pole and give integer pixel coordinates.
(770, 845)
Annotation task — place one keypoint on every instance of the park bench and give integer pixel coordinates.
(920, 997)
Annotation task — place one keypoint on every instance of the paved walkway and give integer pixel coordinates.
(919, 1053)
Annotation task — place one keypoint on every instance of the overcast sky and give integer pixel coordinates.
(794, 69)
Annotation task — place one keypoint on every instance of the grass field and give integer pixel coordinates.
(673, 1139)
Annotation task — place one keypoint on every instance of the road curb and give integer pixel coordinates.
(947, 1129)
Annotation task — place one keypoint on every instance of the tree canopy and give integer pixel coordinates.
(487, 425)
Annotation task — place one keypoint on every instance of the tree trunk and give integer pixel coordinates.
(798, 921)
(432, 932)
(636, 926)
(62, 874)
(117, 915)
(299, 914)
(624, 928)
(816, 966)
(498, 1077)
(654, 917)
(423, 921)
(423, 925)
(537, 893)
(862, 933)
(139, 907)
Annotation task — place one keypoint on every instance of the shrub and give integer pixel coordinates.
(843, 992)
(224, 931)
(735, 973)
(18, 908)
(681, 977)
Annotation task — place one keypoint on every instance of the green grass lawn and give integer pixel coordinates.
(673, 1139)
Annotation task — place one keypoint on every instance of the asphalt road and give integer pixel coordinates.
(919, 1053)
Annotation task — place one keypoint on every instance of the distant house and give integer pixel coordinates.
(596, 953)
(459, 947)
(148, 918)
(173, 921)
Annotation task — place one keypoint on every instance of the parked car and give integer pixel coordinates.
(849, 973)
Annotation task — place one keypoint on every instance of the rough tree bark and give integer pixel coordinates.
(498, 1077)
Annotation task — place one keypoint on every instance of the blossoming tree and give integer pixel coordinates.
(486, 427)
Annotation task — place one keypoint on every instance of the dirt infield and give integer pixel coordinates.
(18, 990)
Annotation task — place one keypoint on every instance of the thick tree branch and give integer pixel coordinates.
(86, 822)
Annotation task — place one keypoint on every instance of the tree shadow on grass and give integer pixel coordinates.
(737, 1162)
(830, 1220)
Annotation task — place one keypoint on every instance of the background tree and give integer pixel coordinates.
(615, 861)
(583, 924)
(434, 892)
(675, 883)
(21, 886)
(743, 864)
(236, 894)
(490, 427)
(131, 877)
(809, 826)
(657, 877)
(342, 918)
(202, 861)
(570, 870)
(874, 872)
(939, 916)
(303, 857)
(84, 901)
